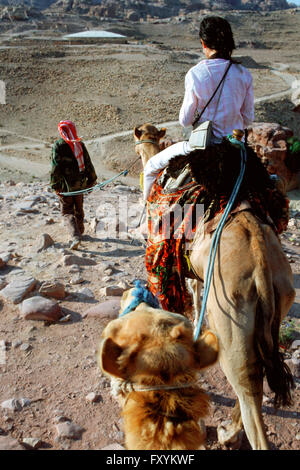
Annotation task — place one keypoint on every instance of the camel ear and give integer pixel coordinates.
(206, 350)
(108, 358)
(137, 133)
(162, 132)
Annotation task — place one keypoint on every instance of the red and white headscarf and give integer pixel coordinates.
(68, 132)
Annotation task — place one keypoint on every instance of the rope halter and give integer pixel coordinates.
(146, 141)
(126, 387)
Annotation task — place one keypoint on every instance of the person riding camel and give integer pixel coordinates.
(231, 108)
(72, 170)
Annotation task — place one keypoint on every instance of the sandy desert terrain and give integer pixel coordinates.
(107, 89)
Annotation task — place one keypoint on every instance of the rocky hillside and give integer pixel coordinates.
(131, 9)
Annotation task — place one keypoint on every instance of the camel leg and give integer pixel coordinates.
(229, 434)
(239, 363)
(248, 386)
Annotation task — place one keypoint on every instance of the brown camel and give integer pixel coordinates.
(154, 360)
(251, 292)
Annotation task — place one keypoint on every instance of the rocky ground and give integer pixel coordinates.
(51, 387)
(52, 394)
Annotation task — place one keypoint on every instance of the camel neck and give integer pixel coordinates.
(147, 151)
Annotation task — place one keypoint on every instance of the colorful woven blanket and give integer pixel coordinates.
(173, 217)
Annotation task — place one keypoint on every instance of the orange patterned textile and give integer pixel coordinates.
(172, 220)
(173, 216)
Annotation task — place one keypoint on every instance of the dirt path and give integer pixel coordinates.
(287, 77)
(41, 170)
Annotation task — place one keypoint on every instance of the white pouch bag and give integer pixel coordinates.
(201, 135)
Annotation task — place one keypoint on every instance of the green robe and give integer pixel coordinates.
(65, 175)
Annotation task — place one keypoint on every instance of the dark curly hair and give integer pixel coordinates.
(216, 34)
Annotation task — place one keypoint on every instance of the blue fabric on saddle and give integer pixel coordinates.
(141, 294)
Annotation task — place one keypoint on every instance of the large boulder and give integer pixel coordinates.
(68, 260)
(269, 141)
(53, 289)
(40, 308)
(107, 309)
(17, 289)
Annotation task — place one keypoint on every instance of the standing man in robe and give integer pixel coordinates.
(71, 170)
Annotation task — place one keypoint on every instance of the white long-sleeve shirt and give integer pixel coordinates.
(236, 106)
(235, 109)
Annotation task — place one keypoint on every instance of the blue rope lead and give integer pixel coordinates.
(217, 234)
(100, 185)
(97, 186)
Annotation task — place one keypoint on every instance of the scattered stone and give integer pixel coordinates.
(74, 268)
(69, 430)
(3, 282)
(16, 290)
(294, 365)
(59, 416)
(60, 419)
(104, 382)
(9, 443)
(93, 397)
(114, 446)
(53, 289)
(31, 442)
(40, 308)
(87, 292)
(77, 279)
(123, 188)
(16, 344)
(34, 199)
(25, 347)
(15, 404)
(108, 309)
(68, 260)
(295, 344)
(25, 207)
(66, 318)
(31, 329)
(6, 256)
(44, 242)
(49, 221)
(2, 263)
(112, 290)
(108, 272)
(124, 285)
(93, 224)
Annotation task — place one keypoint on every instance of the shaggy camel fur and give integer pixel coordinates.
(251, 292)
(152, 348)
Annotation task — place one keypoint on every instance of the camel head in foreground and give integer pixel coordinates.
(154, 356)
(147, 138)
